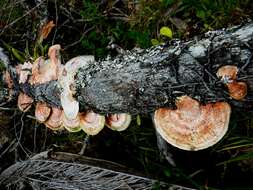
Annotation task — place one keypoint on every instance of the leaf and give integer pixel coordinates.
(155, 42)
(166, 31)
(138, 120)
(246, 156)
(18, 55)
(201, 14)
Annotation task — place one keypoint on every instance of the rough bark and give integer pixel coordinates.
(140, 81)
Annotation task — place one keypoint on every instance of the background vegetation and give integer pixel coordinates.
(89, 27)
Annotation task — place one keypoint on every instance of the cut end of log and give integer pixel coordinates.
(193, 126)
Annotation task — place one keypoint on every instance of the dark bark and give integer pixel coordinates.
(140, 81)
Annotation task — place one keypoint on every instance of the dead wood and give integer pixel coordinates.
(140, 81)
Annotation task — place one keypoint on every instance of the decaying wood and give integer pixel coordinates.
(59, 170)
(140, 81)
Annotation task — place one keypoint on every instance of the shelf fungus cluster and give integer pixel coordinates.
(191, 126)
(68, 116)
(195, 127)
(228, 74)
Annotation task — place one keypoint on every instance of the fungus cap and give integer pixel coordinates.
(237, 90)
(54, 121)
(91, 123)
(24, 102)
(42, 111)
(229, 71)
(193, 126)
(71, 125)
(25, 71)
(118, 122)
(66, 82)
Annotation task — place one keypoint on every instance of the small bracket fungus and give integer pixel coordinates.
(24, 102)
(71, 125)
(91, 123)
(46, 70)
(25, 72)
(54, 121)
(228, 73)
(42, 112)
(118, 122)
(66, 82)
(193, 126)
(237, 90)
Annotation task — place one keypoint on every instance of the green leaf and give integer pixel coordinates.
(155, 42)
(245, 156)
(201, 14)
(166, 31)
(167, 172)
(138, 120)
(18, 55)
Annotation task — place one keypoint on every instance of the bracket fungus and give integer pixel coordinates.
(193, 126)
(47, 70)
(91, 123)
(42, 112)
(66, 82)
(71, 125)
(228, 73)
(54, 121)
(25, 72)
(118, 122)
(24, 102)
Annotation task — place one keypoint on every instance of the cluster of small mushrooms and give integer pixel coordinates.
(190, 127)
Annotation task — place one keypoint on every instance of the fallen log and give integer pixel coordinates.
(142, 81)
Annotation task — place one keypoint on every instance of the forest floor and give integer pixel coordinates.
(28, 28)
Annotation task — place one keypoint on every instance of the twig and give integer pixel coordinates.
(18, 19)
(10, 145)
(85, 144)
(78, 41)
(56, 21)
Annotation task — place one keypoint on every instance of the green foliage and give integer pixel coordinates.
(104, 29)
(142, 23)
(166, 31)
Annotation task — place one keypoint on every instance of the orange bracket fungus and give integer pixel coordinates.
(118, 122)
(42, 111)
(91, 123)
(228, 73)
(54, 121)
(71, 125)
(193, 126)
(24, 102)
(47, 70)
